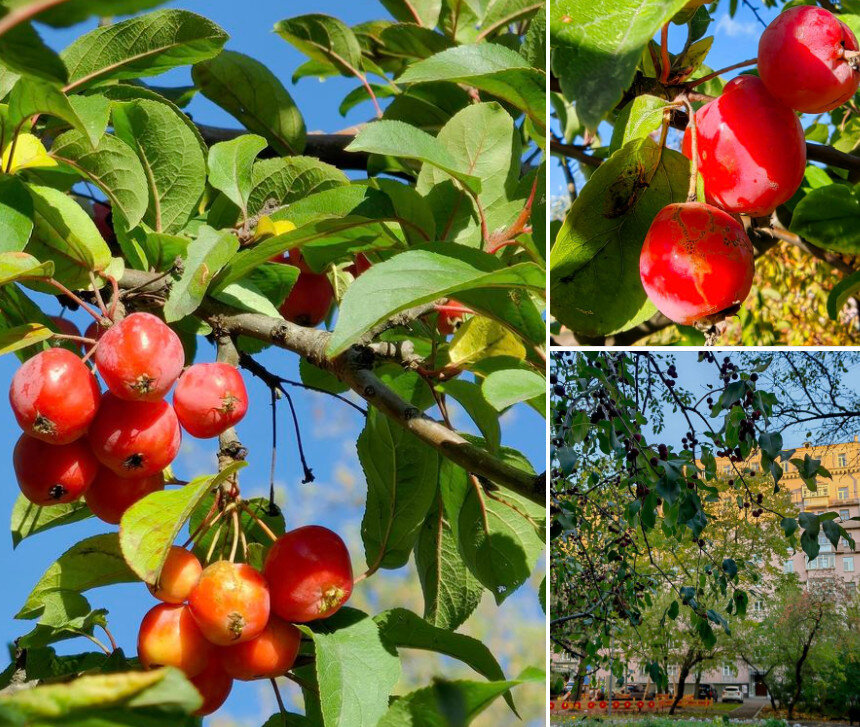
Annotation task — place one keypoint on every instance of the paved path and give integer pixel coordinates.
(749, 708)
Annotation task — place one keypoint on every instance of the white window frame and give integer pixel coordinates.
(848, 564)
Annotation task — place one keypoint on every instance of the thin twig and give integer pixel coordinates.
(704, 79)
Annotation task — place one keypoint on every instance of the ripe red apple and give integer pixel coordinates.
(169, 636)
(210, 398)
(54, 396)
(751, 149)
(696, 262)
(311, 296)
(801, 60)
(140, 358)
(309, 574)
(135, 438)
(50, 474)
(110, 495)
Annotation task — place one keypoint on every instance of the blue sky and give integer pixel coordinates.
(329, 430)
(735, 40)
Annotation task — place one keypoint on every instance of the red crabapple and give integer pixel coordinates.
(53, 474)
(230, 603)
(103, 218)
(214, 685)
(696, 262)
(309, 574)
(359, 265)
(110, 495)
(169, 636)
(310, 297)
(752, 152)
(210, 398)
(140, 358)
(54, 396)
(801, 60)
(269, 655)
(135, 438)
(179, 574)
(450, 316)
(64, 326)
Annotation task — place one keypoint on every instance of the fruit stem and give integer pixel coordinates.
(98, 293)
(664, 54)
(69, 337)
(236, 528)
(110, 638)
(68, 293)
(694, 150)
(279, 699)
(265, 528)
(215, 540)
(704, 79)
(853, 59)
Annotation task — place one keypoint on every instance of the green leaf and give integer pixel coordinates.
(489, 67)
(499, 14)
(21, 266)
(789, 526)
(171, 157)
(595, 56)
(505, 388)
(251, 93)
(231, 164)
(206, 255)
(832, 531)
(91, 563)
(246, 296)
(672, 611)
(350, 652)
(394, 138)
(842, 292)
(18, 337)
(324, 39)
(87, 114)
(640, 118)
(112, 166)
(501, 537)
(422, 276)
(29, 519)
(482, 140)
(402, 476)
(150, 526)
(471, 397)
(451, 592)
(24, 51)
(594, 264)
(730, 568)
(65, 234)
(422, 12)
(144, 46)
(130, 698)
(401, 628)
(63, 13)
(448, 703)
(830, 218)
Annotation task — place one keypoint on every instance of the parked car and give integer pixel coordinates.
(706, 691)
(733, 694)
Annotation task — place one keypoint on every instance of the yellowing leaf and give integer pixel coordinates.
(29, 152)
(481, 338)
(269, 227)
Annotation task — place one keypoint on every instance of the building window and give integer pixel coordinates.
(824, 545)
(822, 490)
(842, 460)
(822, 562)
(844, 515)
(728, 670)
(788, 566)
(842, 493)
(672, 670)
(848, 564)
(727, 469)
(758, 606)
(754, 467)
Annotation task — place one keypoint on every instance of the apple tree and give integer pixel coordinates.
(401, 262)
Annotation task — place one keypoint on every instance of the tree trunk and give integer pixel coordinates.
(682, 682)
(580, 677)
(798, 669)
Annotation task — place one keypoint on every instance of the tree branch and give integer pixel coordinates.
(355, 368)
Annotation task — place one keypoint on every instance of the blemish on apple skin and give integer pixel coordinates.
(566, 19)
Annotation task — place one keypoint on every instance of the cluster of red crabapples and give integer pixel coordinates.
(112, 448)
(230, 621)
(697, 263)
